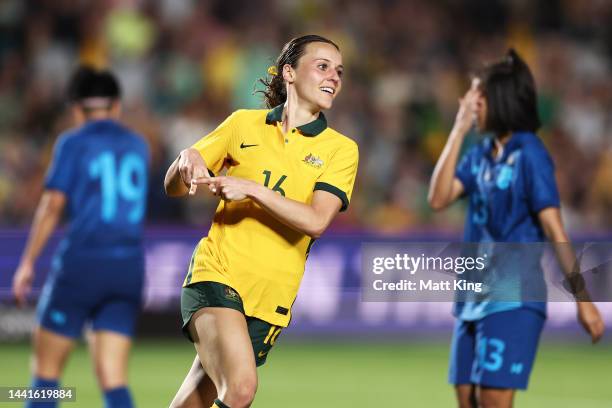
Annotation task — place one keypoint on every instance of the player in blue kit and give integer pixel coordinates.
(510, 184)
(99, 175)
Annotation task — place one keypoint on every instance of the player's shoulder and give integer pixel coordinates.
(116, 129)
(110, 134)
(136, 137)
(531, 145)
(69, 138)
(245, 118)
(124, 130)
(529, 140)
(342, 141)
(249, 115)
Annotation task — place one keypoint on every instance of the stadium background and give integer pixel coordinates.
(184, 65)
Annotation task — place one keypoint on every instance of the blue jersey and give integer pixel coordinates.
(505, 196)
(101, 167)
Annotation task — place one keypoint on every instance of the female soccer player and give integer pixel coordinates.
(99, 174)
(510, 183)
(288, 175)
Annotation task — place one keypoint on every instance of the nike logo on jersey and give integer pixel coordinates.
(244, 146)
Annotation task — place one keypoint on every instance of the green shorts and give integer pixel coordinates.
(213, 294)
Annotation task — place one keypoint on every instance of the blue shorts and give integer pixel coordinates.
(104, 292)
(496, 351)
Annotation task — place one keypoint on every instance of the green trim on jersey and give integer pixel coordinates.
(335, 191)
(309, 129)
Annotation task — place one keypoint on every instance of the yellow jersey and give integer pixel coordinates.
(247, 248)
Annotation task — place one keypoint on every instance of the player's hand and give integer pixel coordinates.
(198, 175)
(467, 111)
(191, 166)
(22, 283)
(228, 187)
(591, 320)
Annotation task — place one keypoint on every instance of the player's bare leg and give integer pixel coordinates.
(197, 389)
(495, 397)
(466, 396)
(110, 353)
(51, 351)
(222, 341)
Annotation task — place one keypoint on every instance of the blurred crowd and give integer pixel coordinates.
(185, 65)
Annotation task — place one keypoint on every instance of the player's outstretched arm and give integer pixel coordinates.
(444, 187)
(311, 219)
(588, 314)
(188, 166)
(47, 215)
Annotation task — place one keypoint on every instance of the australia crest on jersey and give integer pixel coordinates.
(313, 161)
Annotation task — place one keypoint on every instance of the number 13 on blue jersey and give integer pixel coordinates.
(120, 180)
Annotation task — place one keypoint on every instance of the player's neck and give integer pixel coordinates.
(499, 143)
(296, 113)
(98, 115)
(503, 139)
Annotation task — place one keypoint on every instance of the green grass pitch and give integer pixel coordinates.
(339, 374)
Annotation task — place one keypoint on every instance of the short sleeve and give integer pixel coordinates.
(214, 147)
(339, 176)
(540, 180)
(468, 169)
(62, 168)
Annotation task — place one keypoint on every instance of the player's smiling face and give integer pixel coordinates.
(318, 76)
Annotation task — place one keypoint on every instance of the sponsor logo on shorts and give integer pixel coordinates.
(516, 368)
(58, 317)
(231, 294)
(262, 354)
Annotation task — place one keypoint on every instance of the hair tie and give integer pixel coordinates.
(272, 70)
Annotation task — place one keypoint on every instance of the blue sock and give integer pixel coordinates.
(118, 398)
(38, 382)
